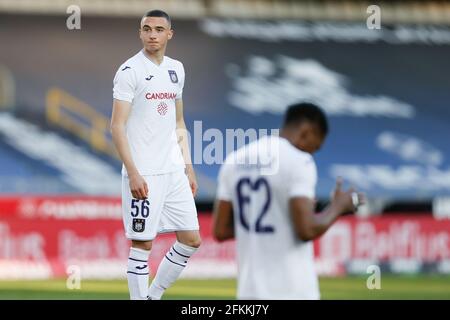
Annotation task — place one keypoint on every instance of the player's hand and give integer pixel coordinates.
(192, 181)
(346, 201)
(138, 187)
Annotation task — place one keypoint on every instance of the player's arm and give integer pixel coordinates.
(223, 224)
(120, 114)
(184, 146)
(308, 225)
(223, 218)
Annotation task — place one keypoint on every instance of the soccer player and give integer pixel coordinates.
(266, 199)
(158, 180)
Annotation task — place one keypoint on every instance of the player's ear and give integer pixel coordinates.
(171, 32)
(304, 131)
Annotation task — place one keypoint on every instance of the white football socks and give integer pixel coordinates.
(137, 273)
(170, 269)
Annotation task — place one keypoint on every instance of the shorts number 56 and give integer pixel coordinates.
(144, 208)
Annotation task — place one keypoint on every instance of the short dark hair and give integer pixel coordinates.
(305, 111)
(158, 13)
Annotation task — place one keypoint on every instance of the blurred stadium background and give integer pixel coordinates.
(386, 92)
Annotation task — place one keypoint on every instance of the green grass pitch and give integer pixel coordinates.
(392, 287)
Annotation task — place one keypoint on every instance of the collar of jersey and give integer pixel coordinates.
(148, 59)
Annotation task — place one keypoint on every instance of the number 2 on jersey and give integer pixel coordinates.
(145, 210)
(244, 199)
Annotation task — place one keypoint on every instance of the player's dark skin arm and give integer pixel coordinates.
(223, 224)
(308, 225)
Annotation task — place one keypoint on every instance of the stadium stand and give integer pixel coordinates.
(389, 105)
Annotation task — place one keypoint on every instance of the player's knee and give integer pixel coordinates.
(193, 242)
(197, 243)
(144, 245)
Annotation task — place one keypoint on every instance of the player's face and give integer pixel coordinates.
(154, 33)
(310, 138)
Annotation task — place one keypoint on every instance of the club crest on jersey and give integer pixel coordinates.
(138, 225)
(173, 76)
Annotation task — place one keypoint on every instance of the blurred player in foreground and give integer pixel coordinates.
(266, 199)
(158, 181)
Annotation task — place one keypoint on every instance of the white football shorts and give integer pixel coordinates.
(169, 207)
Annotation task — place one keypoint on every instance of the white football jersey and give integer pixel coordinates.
(151, 127)
(259, 179)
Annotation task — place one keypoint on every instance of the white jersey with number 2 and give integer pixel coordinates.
(259, 179)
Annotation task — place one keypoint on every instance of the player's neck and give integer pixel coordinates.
(289, 135)
(156, 57)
